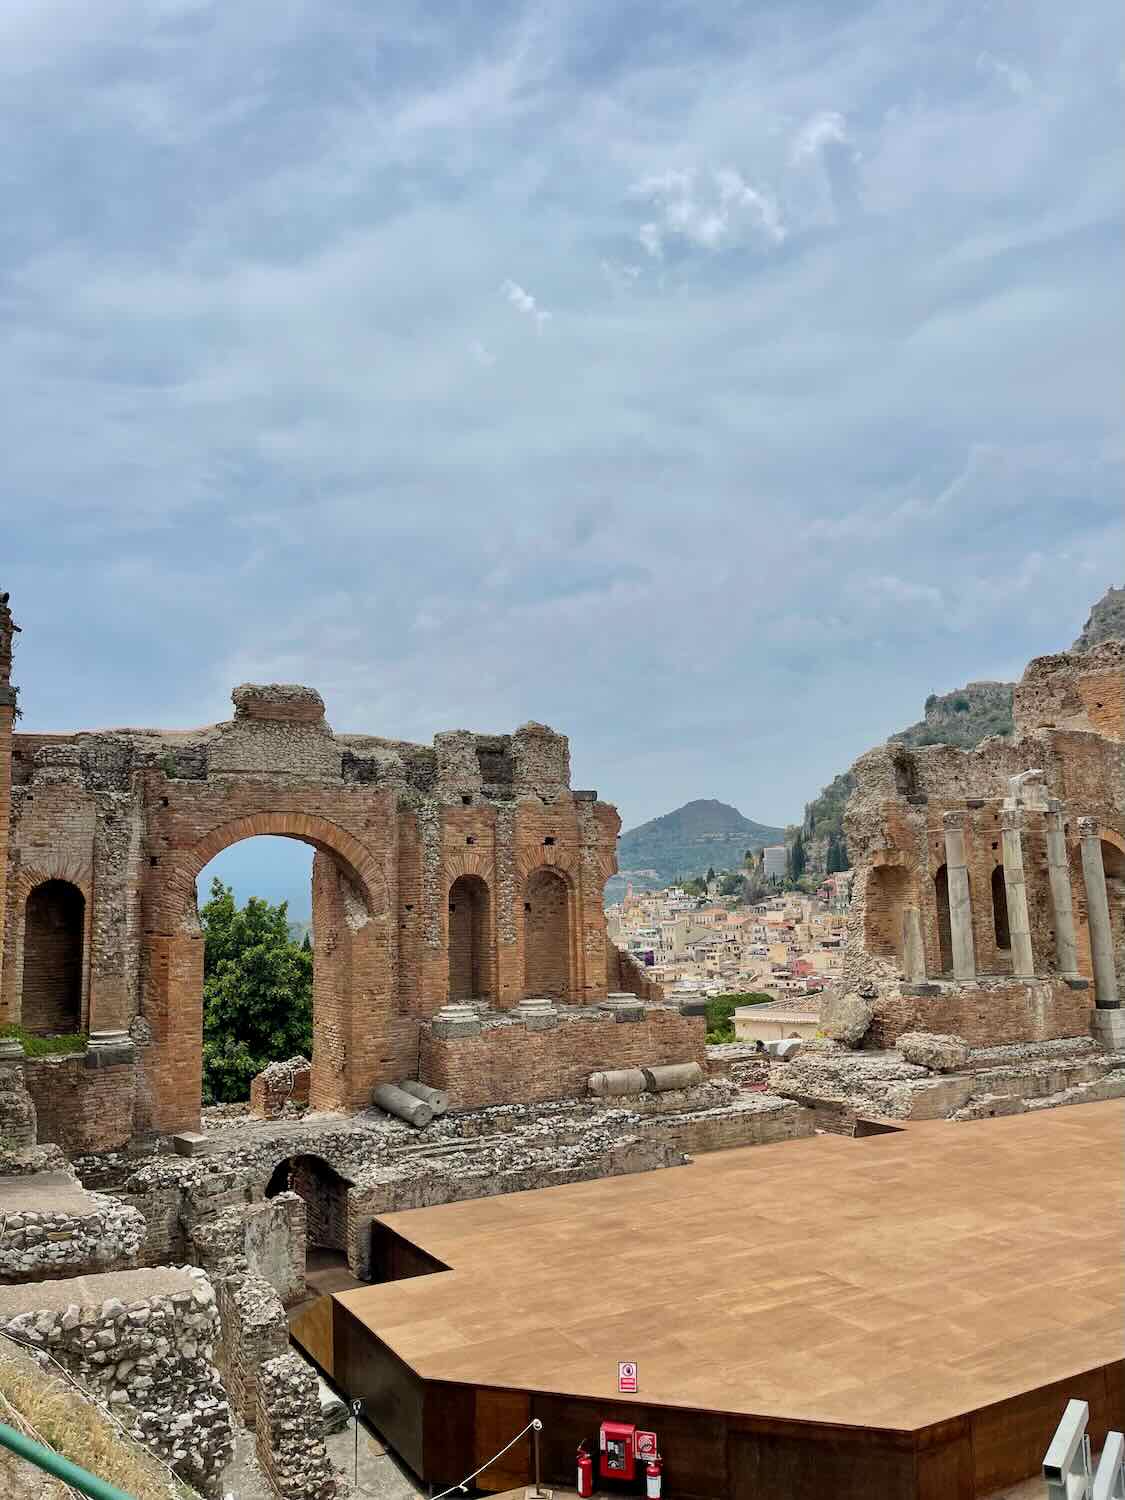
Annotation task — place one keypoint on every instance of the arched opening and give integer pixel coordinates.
(54, 922)
(470, 972)
(888, 892)
(945, 931)
(546, 934)
(1000, 927)
(1113, 862)
(255, 912)
(351, 972)
(325, 1193)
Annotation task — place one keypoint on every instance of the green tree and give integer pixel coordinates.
(710, 874)
(797, 858)
(257, 992)
(731, 884)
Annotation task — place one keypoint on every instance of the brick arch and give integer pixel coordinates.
(548, 856)
(469, 862)
(177, 900)
(21, 883)
(353, 970)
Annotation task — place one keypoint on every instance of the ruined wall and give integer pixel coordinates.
(127, 818)
(510, 1063)
(143, 1342)
(989, 1012)
(287, 1439)
(253, 1329)
(81, 1107)
(1069, 726)
(73, 1238)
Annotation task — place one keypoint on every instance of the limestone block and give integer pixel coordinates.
(845, 1018)
(944, 1054)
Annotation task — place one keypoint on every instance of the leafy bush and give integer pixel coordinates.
(257, 993)
(720, 1014)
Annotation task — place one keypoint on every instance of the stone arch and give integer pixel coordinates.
(353, 964)
(469, 940)
(889, 889)
(53, 966)
(1001, 931)
(176, 905)
(548, 932)
(325, 1193)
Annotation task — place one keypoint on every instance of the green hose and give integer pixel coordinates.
(62, 1468)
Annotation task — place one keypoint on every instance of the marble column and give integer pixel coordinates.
(1097, 907)
(913, 949)
(1015, 888)
(960, 905)
(1058, 872)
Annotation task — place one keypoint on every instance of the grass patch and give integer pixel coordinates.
(52, 1412)
(720, 1013)
(45, 1046)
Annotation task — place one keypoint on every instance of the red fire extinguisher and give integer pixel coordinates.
(585, 1471)
(654, 1478)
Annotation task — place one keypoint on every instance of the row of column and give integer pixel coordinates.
(1058, 871)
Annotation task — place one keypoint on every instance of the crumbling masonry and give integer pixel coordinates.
(989, 894)
(465, 871)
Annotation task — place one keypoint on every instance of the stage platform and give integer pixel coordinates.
(904, 1314)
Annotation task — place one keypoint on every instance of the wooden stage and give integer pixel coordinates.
(904, 1314)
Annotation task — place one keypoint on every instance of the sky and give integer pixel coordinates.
(709, 382)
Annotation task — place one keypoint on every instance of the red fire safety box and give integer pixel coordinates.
(618, 1457)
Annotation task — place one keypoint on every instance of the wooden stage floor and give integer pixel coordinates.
(892, 1281)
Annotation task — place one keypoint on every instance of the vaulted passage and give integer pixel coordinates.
(52, 959)
(326, 1199)
(469, 939)
(546, 935)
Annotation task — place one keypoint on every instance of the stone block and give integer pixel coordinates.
(845, 1018)
(1108, 1028)
(944, 1054)
(455, 1021)
(190, 1143)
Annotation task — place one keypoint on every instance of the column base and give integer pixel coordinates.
(1108, 1028)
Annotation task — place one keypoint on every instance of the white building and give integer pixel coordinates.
(774, 861)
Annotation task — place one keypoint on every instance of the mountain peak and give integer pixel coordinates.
(691, 839)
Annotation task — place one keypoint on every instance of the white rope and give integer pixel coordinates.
(464, 1485)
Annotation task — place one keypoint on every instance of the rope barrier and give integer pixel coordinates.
(534, 1425)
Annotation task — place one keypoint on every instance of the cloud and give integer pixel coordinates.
(831, 418)
(525, 302)
(1011, 75)
(708, 210)
(823, 129)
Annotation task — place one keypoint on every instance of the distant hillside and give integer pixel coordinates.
(1106, 622)
(963, 717)
(689, 841)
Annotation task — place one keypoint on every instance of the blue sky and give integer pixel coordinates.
(710, 382)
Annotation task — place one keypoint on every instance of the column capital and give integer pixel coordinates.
(1088, 828)
(955, 819)
(1011, 819)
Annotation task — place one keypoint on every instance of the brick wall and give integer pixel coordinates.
(547, 936)
(81, 1108)
(254, 1328)
(325, 1195)
(987, 1014)
(508, 1064)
